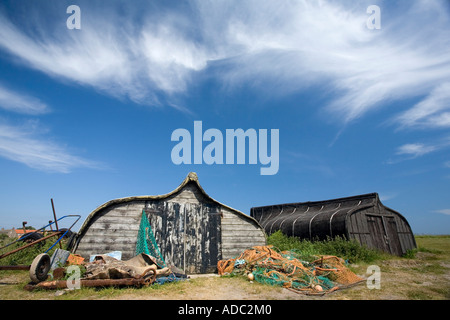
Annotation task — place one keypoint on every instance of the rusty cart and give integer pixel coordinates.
(41, 264)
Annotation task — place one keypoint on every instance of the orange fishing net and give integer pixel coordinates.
(338, 272)
(285, 268)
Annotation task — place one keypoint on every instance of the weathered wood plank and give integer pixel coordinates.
(108, 240)
(231, 238)
(242, 229)
(124, 213)
(119, 220)
(242, 245)
(110, 232)
(114, 226)
(88, 247)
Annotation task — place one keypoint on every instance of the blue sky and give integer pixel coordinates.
(86, 116)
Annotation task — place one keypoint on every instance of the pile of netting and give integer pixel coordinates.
(146, 242)
(286, 268)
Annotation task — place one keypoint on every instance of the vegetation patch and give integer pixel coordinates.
(27, 255)
(349, 250)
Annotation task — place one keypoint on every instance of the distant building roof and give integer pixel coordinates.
(20, 231)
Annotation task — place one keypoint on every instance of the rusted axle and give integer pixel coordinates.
(17, 267)
(30, 244)
(62, 284)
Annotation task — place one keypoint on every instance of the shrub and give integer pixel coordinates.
(27, 255)
(349, 250)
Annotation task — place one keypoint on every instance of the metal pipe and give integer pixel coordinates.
(56, 220)
(18, 267)
(66, 230)
(62, 284)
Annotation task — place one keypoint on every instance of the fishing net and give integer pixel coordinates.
(286, 269)
(146, 242)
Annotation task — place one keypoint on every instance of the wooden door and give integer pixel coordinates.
(383, 232)
(391, 232)
(203, 248)
(377, 233)
(188, 235)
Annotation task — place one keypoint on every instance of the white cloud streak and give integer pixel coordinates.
(431, 112)
(444, 211)
(418, 149)
(21, 103)
(415, 149)
(25, 146)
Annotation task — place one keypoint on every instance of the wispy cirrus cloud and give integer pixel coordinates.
(109, 53)
(296, 45)
(444, 211)
(288, 46)
(387, 196)
(432, 112)
(20, 102)
(415, 149)
(25, 144)
(29, 144)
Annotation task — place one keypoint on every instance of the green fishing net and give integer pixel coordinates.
(146, 242)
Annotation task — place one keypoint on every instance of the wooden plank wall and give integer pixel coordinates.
(239, 234)
(113, 229)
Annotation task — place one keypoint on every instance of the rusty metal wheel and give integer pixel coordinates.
(31, 237)
(40, 268)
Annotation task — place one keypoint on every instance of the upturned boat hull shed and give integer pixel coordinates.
(363, 218)
(192, 230)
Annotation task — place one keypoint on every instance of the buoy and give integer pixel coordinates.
(250, 276)
(318, 288)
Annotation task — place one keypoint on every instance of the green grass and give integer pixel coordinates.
(437, 244)
(349, 250)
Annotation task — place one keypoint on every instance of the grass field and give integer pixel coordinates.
(423, 274)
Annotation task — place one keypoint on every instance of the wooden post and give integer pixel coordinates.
(24, 223)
